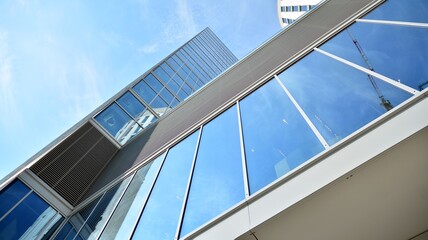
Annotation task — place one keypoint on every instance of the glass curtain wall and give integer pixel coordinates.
(335, 90)
(25, 215)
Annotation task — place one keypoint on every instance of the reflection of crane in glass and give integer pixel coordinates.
(383, 101)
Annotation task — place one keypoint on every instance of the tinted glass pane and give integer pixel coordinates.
(178, 79)
(159, 105)
(173, 86)
(99, 216)
(187, 88)
(166, 95)
(168, 69)
(182, 94)
(144, 91)
(217, 179)
(153, 82)
(118, 123)
(76, 221)
(178, 60)
(11, 194)
(125, 216)
(175, 102)
(338, 99)
(400, 53)
(399, 10)
(131, 104)
(173, 64)
(146, 118)
(160, 73)
(50, 229)
(31, 214)
(65, 230)
(276, 137)
(162, 212)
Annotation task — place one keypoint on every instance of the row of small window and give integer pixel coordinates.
(298, 8)
(216, 58)
(287, 20)
(270, 128)
(127, 116)
(225, 54)
(24, 215)
(170, 83)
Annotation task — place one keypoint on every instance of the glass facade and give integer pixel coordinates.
(338, 88)
(165, 86)
(25, 215)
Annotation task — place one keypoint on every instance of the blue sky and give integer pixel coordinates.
(59, 60)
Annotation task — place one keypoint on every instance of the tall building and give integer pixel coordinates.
(320, 133)
(167, 84)
(290, 10)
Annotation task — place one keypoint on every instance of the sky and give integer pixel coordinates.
(59, 60)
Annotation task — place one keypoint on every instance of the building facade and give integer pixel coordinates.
(290, 10)
(320, 133)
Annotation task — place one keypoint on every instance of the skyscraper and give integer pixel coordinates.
(290, 10)
(319, 133)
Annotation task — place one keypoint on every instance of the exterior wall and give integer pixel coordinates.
(290, 10)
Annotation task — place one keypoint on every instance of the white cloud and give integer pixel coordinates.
(80, 87)
(149, 48)
(181, 24)
(8, 107)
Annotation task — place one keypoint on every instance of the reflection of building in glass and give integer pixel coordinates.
(167, 84)
(290, 10)
(286, 144)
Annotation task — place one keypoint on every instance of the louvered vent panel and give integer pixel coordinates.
(74, 164)
(62, 164)
(76, 183)
(59, 149)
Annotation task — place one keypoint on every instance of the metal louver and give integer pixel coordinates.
(73, 165)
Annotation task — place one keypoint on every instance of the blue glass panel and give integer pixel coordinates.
(171, 62)
(178, 79)
(178, 60)
(168, 69)
(173, 86)
(187, 88)
(399, 10)
(337, 98)
(183, 74)
(26, 214)
(126, 215)
(51, 227)
(195, 66)
(65, 230)
(217, 182)
(114, 120)
(160, 73)
(161, 214)
(199, 60)
(11, 194)
(144, 91)
(146, 119)
(153, 82)
(99, 216)
(158, 103)
(400, 53)
(276, 137)
(196, 45)
(131, 104)
(175, 102)
(182, 94)
(166, 95)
